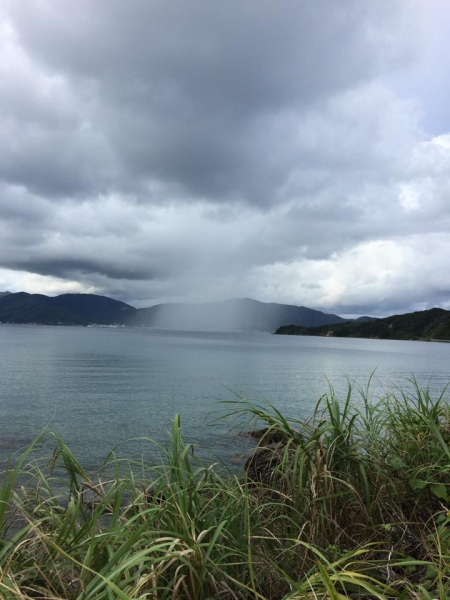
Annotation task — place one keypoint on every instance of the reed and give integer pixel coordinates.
(352, 503)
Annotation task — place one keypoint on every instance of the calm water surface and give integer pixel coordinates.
(96, 387)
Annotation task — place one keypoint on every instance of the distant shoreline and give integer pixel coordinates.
(431, 325)
(278, 332)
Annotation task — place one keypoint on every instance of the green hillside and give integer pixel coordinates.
(67, 309)
(433, 324)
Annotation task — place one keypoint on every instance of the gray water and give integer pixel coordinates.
(96, 387)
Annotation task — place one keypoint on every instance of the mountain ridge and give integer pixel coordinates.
(243, 314)
(428, 325)
(66, 309)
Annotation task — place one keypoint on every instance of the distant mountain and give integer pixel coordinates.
(67, 309)
(232, 315)
(84, 309)
(93, 308)
(433, 324)
(4, 294)
(365, 319)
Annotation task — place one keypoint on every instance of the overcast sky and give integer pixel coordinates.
(165, 150)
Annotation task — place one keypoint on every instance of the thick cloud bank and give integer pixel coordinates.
(288, 151)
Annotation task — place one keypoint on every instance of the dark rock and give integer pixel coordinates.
(268, 435)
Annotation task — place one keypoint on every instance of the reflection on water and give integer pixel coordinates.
(99, 387)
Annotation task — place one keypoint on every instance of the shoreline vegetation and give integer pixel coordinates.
(353, 503)
(426, 325)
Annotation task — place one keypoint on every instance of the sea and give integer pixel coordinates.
(103, 389)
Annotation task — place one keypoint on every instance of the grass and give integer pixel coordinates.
(353, 503)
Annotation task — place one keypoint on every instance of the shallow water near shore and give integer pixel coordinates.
(96, 387)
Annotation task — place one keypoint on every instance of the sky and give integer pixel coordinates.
(164, 150)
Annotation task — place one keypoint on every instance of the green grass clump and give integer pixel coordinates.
(353, 503)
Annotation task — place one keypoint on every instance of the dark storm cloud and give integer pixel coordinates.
(159, 149)
(68, 268)
(186, 93)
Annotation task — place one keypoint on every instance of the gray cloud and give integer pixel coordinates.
(184, 94)
(158, 150)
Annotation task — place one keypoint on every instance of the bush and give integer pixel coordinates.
(352, 503)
